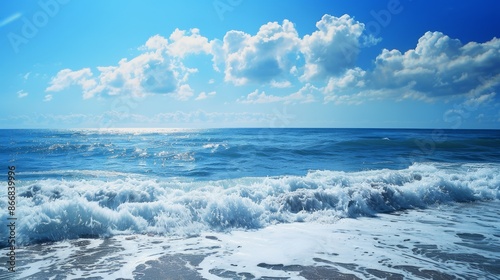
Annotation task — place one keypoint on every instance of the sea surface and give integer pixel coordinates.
(253, 203)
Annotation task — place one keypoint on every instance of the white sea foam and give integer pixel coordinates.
(216, 146)
(60, 209)
(444, 242)
(428, 240)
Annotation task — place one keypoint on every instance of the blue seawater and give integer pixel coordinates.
(84, 182)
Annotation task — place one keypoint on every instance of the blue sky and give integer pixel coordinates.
(241, 63)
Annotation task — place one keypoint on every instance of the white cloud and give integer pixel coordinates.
(47, 98)
(333, 48)
(348, 88)
(356, 98)
(149, 72)
(22, 94)
(482, 99)
(158, 70)
(283, 84)
(160, 76)
(276, 52)
(304, 95)
(183, 93)
(438, 68)
(271, 56)
(255, 98)
(155, 42)
(182, 44)
(67, 77)
(260, 58)
(203, 95)
(352, 79)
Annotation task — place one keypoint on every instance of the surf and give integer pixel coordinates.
(59, 209)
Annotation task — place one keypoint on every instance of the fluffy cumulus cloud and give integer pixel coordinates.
(352, 79)
(146, 73)
(333, 48)
(260, 58)
(150, 72)
(184, 43)
(275, 57)
(276, 51)
(158, 70)
(184, 93)
(305, 94)
(68, 77)
(439, 67)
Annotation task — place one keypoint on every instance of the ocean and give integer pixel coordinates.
(251, 204)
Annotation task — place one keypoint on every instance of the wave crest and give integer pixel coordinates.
(59, 209)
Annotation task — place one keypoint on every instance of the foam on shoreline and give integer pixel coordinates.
(458, 240)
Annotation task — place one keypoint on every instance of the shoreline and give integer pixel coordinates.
(437, 243)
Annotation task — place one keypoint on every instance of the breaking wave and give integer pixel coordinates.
(53, 209)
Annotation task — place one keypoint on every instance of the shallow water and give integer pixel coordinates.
(444, 242)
